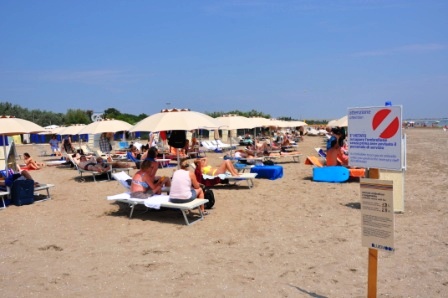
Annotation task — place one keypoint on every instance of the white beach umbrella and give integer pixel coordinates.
(10, 126)
(260, 121)
(232, 122)
(342, 122)
(176, 120)
(71, 130)
(332, 123)
(297, 123)
(103, 126)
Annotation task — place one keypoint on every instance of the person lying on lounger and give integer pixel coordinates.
(92, 165)
(23, 175)
(225, 166)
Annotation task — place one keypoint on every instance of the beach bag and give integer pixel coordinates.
(210, 196)
(22, 192)
(178, 138)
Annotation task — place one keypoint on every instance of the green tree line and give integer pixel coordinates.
(78, 116)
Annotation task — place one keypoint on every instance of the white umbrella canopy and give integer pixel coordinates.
(297, 123)
(176, 120)
(232, 122)
(280, 123)
(332, 123)
(103, 126)
(52, 131)
(10, 126)
(71, 130)
(260, 121)
(342, 122)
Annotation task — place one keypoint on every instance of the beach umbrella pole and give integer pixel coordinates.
(4, 153)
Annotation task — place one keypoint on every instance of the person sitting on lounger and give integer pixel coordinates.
(31, 164)
(225, 166)
(185, 187)
(143, 185)
(151, 156)
(91, 164)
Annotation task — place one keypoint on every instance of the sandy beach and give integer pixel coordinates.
(290, 237)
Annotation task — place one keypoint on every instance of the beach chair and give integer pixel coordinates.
(295, 157)
(208, 145)
(130, 157)
(208, 180)
(158, 201)
(124, 179)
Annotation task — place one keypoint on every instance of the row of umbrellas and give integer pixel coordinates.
(163, 121)
(181, 120)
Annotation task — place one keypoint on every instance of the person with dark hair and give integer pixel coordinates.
(67, 144)
(31, 164)
(104, 143)
(335, 155)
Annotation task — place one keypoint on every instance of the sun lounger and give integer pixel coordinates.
(158, 201)
(41, 187)
(44, 187)
(295, 157)
(208, 180)
(3, 194)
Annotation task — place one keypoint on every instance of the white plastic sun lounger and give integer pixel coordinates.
(158, 201)
(155, 201)
(295, 157)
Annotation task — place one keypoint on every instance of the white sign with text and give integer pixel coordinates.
(374, 137)
(377, 214)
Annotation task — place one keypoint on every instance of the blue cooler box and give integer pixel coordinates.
(268, 172)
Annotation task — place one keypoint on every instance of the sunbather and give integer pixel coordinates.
(92, 165)
(225, 166)
(23, 175)
(31, 164)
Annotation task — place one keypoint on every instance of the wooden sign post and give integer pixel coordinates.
(372, 275)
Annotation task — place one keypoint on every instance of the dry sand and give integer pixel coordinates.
(291, 237)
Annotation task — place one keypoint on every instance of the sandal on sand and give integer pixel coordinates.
(205, 212)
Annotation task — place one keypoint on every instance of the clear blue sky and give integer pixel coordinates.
(301, 59)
